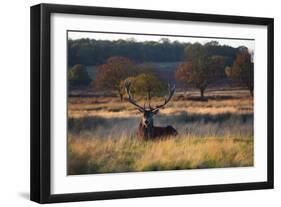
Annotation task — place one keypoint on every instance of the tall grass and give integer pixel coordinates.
(212, 134)
(123, 154)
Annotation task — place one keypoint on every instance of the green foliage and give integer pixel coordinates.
(147, 85)
(78, 76)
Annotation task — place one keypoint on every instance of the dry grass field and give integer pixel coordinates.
(212, 134)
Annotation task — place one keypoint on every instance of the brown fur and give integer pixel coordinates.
(155, 132)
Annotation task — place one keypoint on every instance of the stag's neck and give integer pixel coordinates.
(147, 130)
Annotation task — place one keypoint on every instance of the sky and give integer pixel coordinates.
(250, 44)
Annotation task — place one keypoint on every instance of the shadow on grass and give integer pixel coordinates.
(212, 118)
(205, 98)
(77, 125)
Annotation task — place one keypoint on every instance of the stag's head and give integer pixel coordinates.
(150, 111)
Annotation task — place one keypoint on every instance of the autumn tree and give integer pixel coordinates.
(242, 69)
(200, 69)
(111, 75)
(78, 76)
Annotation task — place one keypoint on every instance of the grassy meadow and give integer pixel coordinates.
(212, 134)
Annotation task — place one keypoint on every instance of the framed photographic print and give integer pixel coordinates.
(133, 103)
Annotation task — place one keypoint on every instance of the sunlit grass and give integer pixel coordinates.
(93, 155)
(212, 134)
(112, 107)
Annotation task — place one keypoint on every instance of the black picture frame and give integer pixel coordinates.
(41, 99)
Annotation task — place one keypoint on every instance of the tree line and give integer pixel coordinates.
(96, 52)
(201, 66)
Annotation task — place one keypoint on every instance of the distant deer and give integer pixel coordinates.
(146, 129)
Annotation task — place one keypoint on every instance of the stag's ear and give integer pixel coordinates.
(140, 110)
(155, 111)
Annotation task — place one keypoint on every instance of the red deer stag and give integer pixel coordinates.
(146, 129)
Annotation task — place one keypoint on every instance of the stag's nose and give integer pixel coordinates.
(146, 122)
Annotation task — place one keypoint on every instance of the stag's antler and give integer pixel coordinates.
(167, 98)
(153, 109)
(130, 99)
